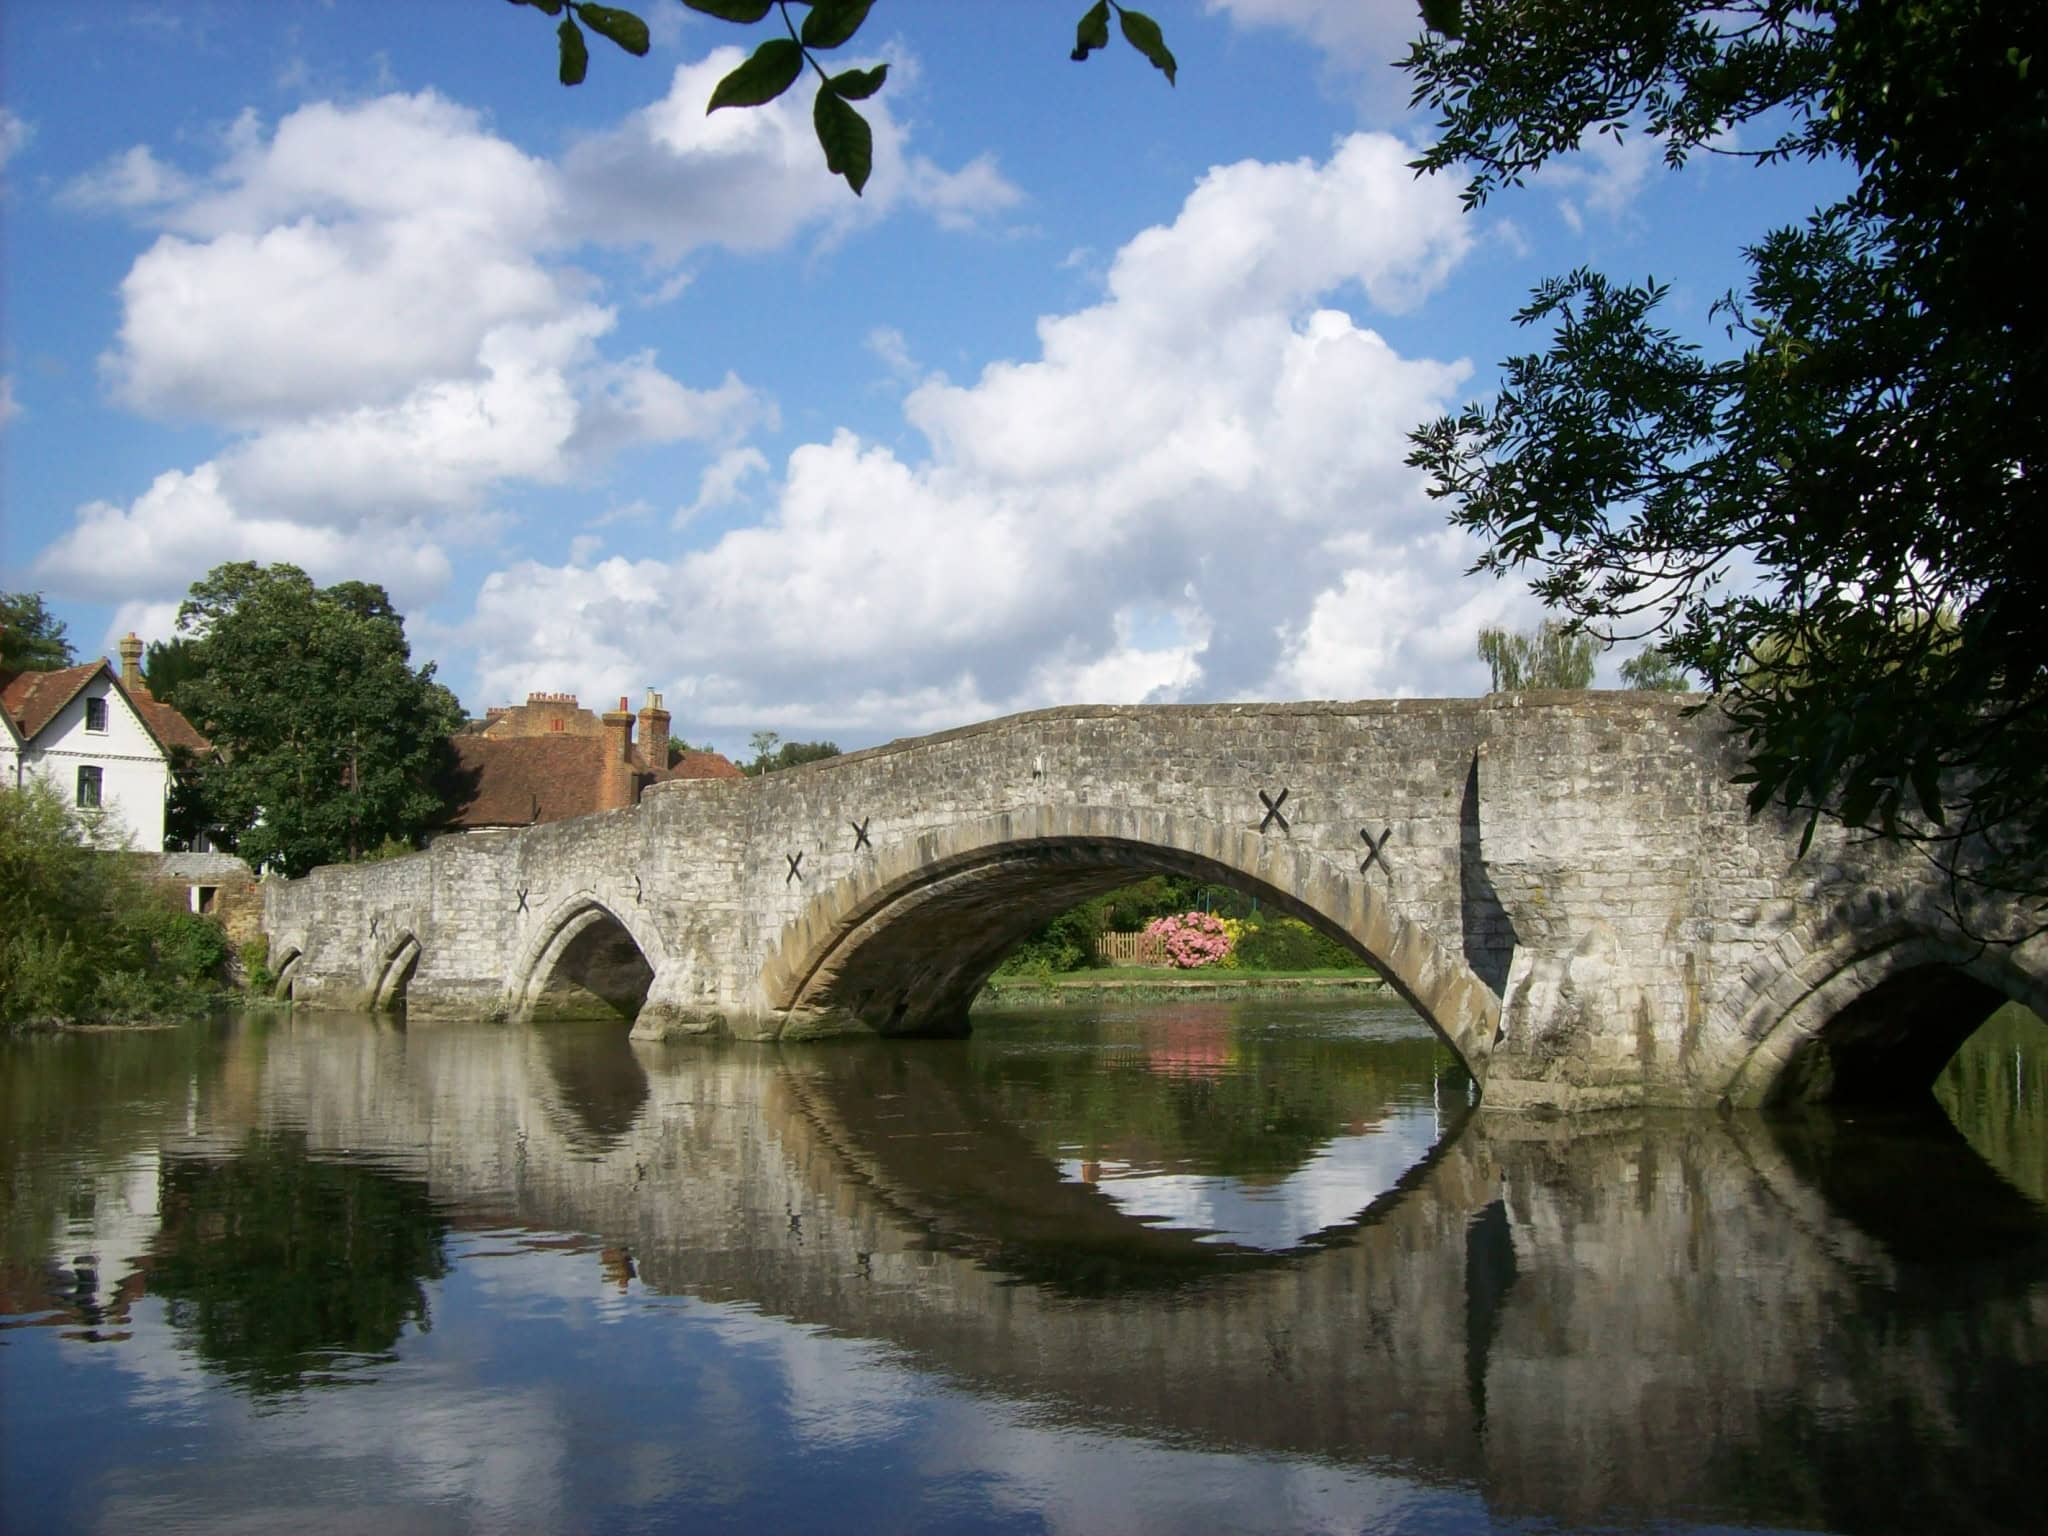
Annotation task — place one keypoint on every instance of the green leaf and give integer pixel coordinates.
(746, 12)
(1445, 16)
(860, 84)
(844, 135)
(832, 22)
(622, 27)
(575, 53)
(552, 7)
(1143, 34)
(1093, 32)
(771, 71)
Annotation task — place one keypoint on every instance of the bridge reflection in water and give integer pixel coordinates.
(1702, 1318)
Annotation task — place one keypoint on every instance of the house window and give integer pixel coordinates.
(96, 715)
(89, 787)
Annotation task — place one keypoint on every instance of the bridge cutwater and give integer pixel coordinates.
(1567, 886)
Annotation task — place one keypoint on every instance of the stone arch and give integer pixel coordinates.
(836, 957)
(399, 959)
(585, 959)
(281, 988)
(1868, 1002)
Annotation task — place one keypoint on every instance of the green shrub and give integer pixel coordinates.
(81, 937)
(181, 947)
(1288, 944)
(256, 972)
(1067, 943)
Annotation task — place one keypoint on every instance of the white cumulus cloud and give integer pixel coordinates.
(1195, 489)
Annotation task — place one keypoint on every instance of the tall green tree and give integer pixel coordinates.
(32, 638)
(168, 665)
(329, 740)
(1865, 456)
(1552, 655)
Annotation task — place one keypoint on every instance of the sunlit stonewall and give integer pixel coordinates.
(1565, 885)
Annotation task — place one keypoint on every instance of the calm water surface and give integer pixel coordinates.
(1225, 1266)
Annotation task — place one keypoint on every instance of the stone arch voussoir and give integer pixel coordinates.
(1432, 977)
(1817, 968)
(287, 965)
(558, 929)
(397, 957)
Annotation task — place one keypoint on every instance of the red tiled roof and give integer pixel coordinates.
(520, 781)
(525, 780)
(172, 728)
(32, 699)
(703, 765)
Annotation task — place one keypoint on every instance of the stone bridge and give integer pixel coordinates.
(1565, 885)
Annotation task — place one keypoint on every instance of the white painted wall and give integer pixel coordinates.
(134, 776)
(10, 754)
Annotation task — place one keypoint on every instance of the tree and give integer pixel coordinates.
(677, 747)
(769, 757)
(32, 638)
(778, 63)
(1652, 671)
(329, 740)
(1870, 456)
(1552, 656)
(168, 665)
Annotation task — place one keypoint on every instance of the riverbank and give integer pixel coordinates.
(1133, 984)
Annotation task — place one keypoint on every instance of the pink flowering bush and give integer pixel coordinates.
(1191, 939)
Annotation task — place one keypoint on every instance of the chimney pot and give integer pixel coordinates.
(131, 661)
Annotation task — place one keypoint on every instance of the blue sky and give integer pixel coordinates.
(1098, 395)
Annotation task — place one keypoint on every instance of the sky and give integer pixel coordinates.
(1099, 394)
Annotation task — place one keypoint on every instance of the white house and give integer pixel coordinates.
(102, 741)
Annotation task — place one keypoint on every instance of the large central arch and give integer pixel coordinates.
(902, 945)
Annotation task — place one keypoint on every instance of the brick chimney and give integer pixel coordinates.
(617, 789)
(131, 662)
(654, 732)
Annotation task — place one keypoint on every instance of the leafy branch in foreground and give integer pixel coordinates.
(1830, 525)
(778, 63)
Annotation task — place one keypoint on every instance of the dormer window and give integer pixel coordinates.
(96, 715)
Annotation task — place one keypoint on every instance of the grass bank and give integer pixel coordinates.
(1151, 983)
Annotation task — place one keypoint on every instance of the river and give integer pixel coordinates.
(1193, 1266)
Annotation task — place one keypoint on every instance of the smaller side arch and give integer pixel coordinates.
(1838, 1016)
(580, 926)
(394, 972)
(286, 974)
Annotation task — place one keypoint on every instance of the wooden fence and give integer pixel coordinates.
(1130, 949)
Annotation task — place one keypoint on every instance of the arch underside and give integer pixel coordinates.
(907, 956)
(591, 968)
